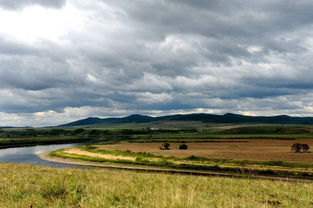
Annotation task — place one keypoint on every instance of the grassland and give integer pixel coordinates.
(241, 149)
(247, 150)
(100, 154)
(139, 132)
(42, 187)
(233, 148)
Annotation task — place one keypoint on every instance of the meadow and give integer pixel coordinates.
(247, 151)
(256, 150)
(100, 154)
(241, 149)
(43, 187)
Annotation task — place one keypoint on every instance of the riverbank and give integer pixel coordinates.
(34, 141)
(42, 143)
(33, 186)
(46, 156)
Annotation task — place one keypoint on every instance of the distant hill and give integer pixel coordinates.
(94, 121)
(206, 118)
(6, 127)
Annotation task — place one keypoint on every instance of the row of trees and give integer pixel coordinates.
(166, 146)
(297, 147)
(67, 131)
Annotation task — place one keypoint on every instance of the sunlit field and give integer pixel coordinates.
(243, 149)
(42, 187)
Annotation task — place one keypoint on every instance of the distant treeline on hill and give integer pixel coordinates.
(81, 132)
(206, 118)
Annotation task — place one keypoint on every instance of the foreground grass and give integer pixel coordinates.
(41, 187)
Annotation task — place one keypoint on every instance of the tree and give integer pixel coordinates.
(94, 132)
(78, 131)
(296, 147)
(183, 146)
(305, 147)
(165, 146)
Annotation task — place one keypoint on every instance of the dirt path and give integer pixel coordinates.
(44, 156)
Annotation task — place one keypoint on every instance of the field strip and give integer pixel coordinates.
(45, 156)
(92, 154)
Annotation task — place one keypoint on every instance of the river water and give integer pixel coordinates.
(29, 155)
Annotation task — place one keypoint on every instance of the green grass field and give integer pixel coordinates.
(23, 186)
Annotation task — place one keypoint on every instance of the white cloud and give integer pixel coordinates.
(151, 98)
(36, 23)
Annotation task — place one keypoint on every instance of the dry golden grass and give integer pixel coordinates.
(76, 151)
(25, 186)
(254, 149)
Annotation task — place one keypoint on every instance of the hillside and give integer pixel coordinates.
(205, 118)
(31, 186)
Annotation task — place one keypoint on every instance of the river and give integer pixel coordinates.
(29, 155)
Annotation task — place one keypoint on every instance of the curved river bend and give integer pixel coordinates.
(29, 155)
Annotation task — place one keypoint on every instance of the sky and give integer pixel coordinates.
(64, 60)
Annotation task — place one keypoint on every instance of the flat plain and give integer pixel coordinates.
(242, 149)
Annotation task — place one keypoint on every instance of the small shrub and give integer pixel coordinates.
(192, 157)
(305, 147)
(183, 146)
(165, 146)
(90, 147)
(275, 163)
(296, 147)
(139, 159)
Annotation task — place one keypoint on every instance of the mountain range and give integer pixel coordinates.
(206, 118)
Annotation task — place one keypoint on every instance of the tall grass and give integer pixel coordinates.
(23, 186)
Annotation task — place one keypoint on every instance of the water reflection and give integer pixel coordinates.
(29, 155)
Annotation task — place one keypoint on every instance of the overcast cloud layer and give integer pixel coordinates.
(65, 60)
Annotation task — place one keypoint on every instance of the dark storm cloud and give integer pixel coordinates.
(18, 4)
(162, 56)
